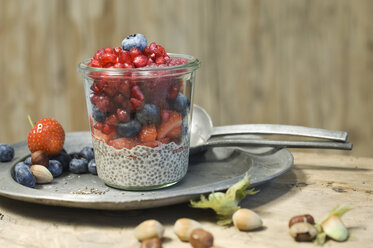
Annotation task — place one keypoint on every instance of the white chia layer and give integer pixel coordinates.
(141, 166)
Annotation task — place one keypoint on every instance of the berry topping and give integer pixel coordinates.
(124, 57)
(6, 153)
(140, 61)
(148, 133)
(47, 135)
(129, 129)
(172, 127)
(134, 40)
(149, 114)
(107, 58)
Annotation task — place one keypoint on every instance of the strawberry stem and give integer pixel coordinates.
(30, 121)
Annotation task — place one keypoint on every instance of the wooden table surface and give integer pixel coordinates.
(316, 184)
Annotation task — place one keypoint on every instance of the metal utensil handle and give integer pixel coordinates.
(280, 129)
(278, 143)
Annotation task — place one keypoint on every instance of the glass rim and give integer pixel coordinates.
(192, 65)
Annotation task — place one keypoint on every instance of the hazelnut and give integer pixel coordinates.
(200, 238)
(301, 218)
(303, 231)
(183, 228)
(149, 229)
(245, 219)
(151, 243)
(40, 157)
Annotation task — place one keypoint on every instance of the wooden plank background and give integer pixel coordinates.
(295, 62)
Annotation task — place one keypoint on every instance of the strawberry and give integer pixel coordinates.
(123, 143)
(99, 135)
(148, 133)
(170, 128)
(46, 135)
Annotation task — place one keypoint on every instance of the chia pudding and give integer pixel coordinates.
(139, 101)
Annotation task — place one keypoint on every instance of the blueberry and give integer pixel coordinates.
(129, 129)
(181, 103)
(134, 40)
(28, 161)
(23, 175)
(92, 167)
(78, 166)
(97, 114)
(55, 167)
(6, 153)
(64, 159)
(87, 153)
(149, 114)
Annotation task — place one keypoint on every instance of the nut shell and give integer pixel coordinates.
(41, 173)
(151, 243)
(245, 219)
(149, 229)
(40, 158)
(200, 238)
(302, 218)
(183, 228)
(303, 231)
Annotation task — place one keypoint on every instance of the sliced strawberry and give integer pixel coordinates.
(97, 134)
(166, 129)
(151, 144)
(123, 143)
(148, 133)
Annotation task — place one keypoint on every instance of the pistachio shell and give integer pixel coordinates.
(183, 228)
(245, 219)
(335, 229)
(41, 173)
(149, 229)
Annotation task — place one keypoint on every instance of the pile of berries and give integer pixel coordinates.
(130, 111)
(6, 153)
(39, 168)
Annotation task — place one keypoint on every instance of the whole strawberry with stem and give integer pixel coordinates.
(46, 135)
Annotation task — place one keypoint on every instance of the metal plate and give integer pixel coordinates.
(214, 170)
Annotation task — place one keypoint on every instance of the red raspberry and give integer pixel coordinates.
(124, 57)
(140, 60)
(122, 115)
(134, 52)
(117, 50)
(107, 58)
(108, 50)
(98, 54)
(136, 93)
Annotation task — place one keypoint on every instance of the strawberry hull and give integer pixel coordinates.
(134, 109)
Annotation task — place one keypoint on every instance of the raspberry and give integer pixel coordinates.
(140, 61)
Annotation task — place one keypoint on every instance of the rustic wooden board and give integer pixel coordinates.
(294, 62)
(315, 185)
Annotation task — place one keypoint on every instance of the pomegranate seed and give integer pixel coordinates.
(108, 50)
(119, 99)
(161, 49)
(122, 115)
(94, 63)
(124, 57)
(160, 61)
(98, 54)
(118, 65)
(124, 88)
(109, 65)
(102, 103)
(134, 52)
(140, 61)
(136, 93)
(150, 61)
(107, 58)
(117, 50)
(129, 65)
(147, 51)
(135, 104)
(167, 58)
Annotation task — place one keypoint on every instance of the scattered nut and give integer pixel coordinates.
(151, 243)
(41, 173)
(245, 219)
(183, 228)
(335, 229)
(200, 238)
(303, 231)
(302, 218)
(40, 157)
(149, 229)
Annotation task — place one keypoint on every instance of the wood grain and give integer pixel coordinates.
(294, 62)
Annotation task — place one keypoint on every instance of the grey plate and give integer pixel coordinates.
(215, 170)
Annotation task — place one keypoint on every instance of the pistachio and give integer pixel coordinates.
(151, 243)
(183, 228)
(149, 229)
(200, 238)
(335, 229)
(302, 218)
(41, 173)
(40, 157)
(303, 231)
(245, 219)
